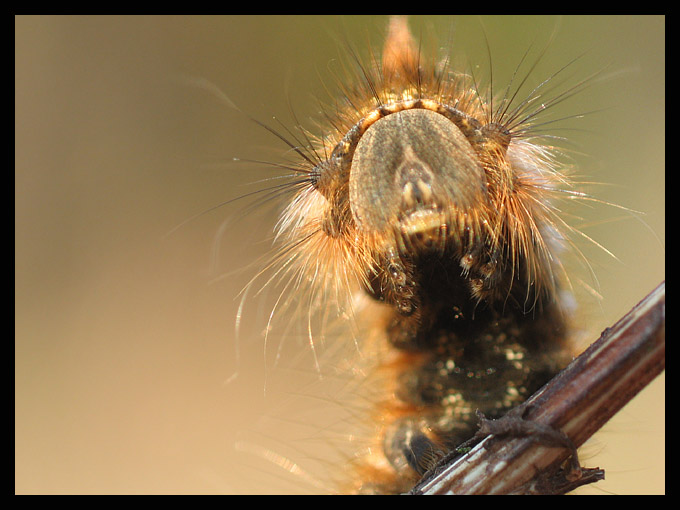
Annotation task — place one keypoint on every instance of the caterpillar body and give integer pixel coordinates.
(425, 214)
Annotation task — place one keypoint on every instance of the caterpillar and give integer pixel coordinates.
(423, 217)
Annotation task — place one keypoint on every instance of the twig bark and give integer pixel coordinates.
(578, 402)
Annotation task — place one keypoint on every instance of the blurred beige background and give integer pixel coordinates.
(124, 346)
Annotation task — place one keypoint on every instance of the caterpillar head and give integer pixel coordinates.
(426, 181)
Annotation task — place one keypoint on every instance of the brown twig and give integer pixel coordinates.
(578, 402)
